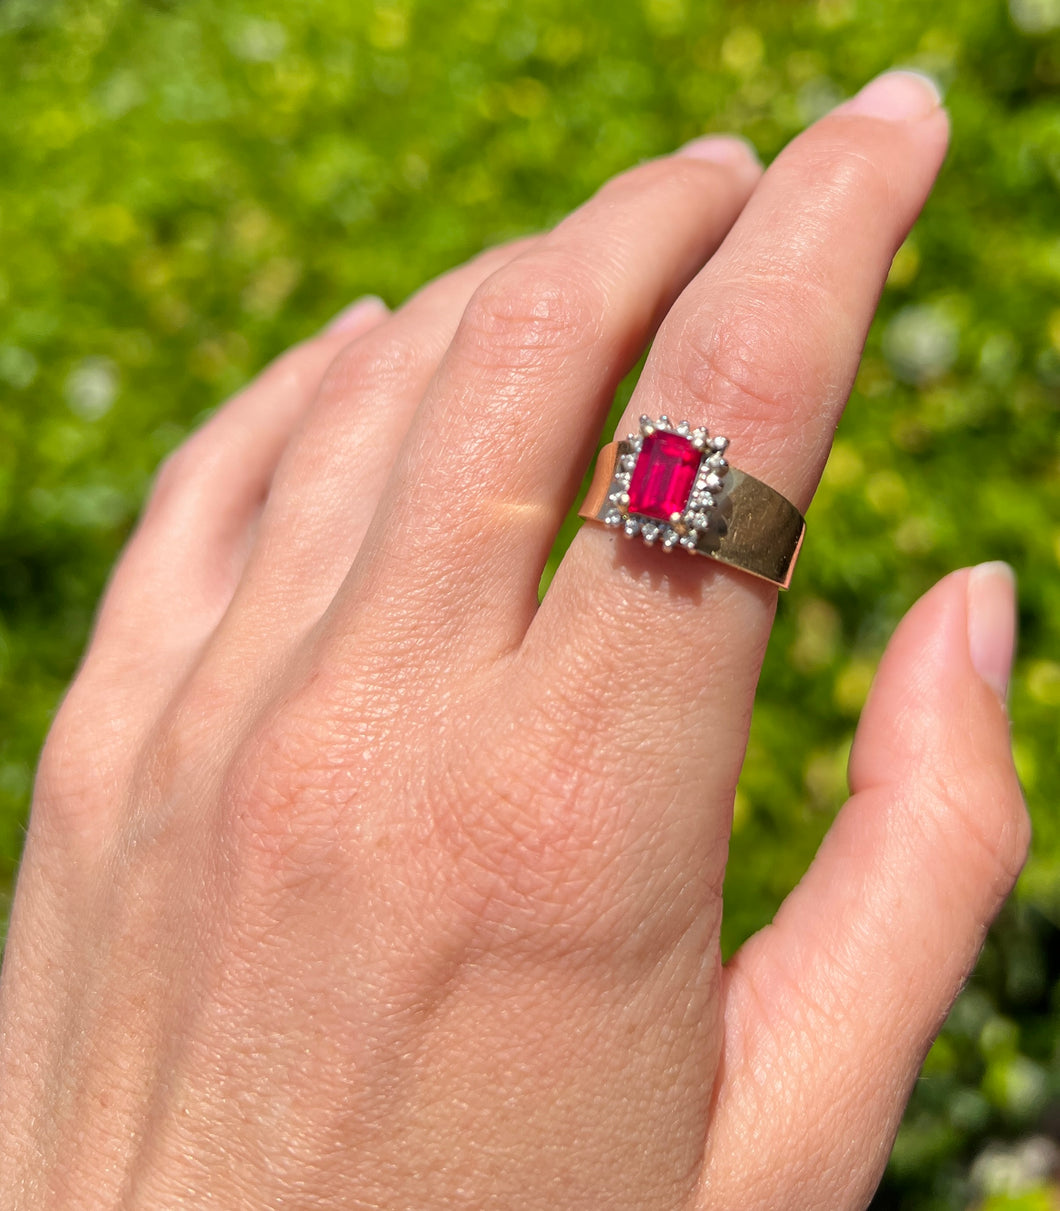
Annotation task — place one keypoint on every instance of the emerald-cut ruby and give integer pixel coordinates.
(663, 477)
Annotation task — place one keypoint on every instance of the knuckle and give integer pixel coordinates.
(731, 359)
(293, 374)
(541, 856)
(373, 368)
(521, 859)
(292, 792)
(668, 181)
(280, 808)
(749, 362)
(768, 350)
(844, 175)
(75, 780)
(171, 477)
(800, 1003)
(539, 305)
(194, 462)
(993, 825)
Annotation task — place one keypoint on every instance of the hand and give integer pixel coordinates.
(355, 879)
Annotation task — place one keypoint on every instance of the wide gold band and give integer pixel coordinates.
(754, 528)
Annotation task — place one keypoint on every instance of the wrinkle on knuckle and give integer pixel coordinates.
(542, 305)
(809, 1001)
(191, 735)
(294, 373)
(540, 855)
(520, 845)
(755, 366)
(794, 1019)
(176, 472)
(305, 781)
(845, 176)
(990, 813)
(75, 784)
(288, 792)
(183, 476)
(783, 1063)
(372, 369)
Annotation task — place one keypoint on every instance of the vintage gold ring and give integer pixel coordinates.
(670, 485)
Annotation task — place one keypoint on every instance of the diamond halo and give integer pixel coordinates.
(667, 483)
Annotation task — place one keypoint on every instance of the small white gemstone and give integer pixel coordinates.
(649, 532)
(622, 478)
(614, 518)
(663, 422)
(721, 444)
(713, 483)
(670, 540)
(636, 443)
(628, 462)
(631, 526)
(684, 429)
(699, 520)
(717, 464)
(688, 541)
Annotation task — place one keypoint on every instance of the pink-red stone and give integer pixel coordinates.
(662, 479)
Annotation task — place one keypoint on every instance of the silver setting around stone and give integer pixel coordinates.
(684, 529)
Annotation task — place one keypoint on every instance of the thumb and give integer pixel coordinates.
(830, 1010)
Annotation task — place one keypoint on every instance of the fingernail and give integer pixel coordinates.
(355, 315)
(729, 150)
(992, 624)
(897, 96)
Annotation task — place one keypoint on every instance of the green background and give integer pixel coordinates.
(189, 187)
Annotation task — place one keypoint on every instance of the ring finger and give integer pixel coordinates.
(326, 486)
(192, 540)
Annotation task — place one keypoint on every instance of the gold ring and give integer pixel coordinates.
(671, 486)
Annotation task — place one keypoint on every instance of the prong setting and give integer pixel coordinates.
(675, 446)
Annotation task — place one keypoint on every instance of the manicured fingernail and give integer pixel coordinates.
(897, 96)
(729, 150)
(992, 623)
(358, 313)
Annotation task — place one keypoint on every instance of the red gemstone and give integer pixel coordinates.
(662, 479)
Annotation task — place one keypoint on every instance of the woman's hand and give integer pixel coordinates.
(356, 879)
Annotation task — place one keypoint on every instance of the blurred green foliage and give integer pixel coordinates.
(189, 186)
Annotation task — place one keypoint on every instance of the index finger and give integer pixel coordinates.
(762, 347)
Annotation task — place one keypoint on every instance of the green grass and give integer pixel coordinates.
(189, 187)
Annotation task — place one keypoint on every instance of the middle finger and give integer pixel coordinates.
(473, 502)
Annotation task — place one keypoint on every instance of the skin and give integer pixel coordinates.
(356, 879)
